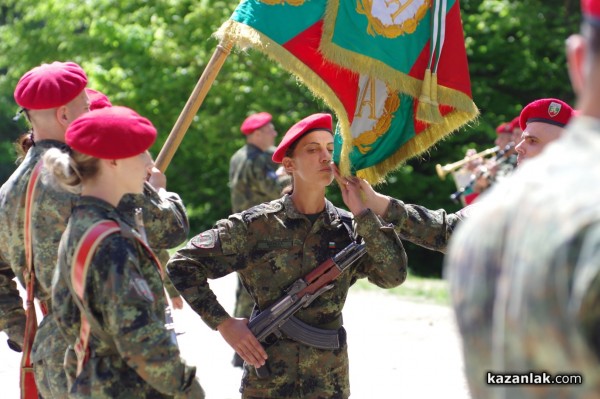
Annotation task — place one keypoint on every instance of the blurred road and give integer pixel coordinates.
(397, 348)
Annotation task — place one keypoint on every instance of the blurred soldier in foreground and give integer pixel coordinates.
(253, 179)
(108, 295)
(524, 271)
(275, 244)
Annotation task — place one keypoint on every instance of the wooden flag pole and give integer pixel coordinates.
(193, 104)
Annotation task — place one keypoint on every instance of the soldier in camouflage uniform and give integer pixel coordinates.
(523, 270)
(433, 229)
(272, 245)
(130, 352)
(253, 179)
(50, 108)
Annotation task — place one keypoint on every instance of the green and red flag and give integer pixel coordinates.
(395, 73)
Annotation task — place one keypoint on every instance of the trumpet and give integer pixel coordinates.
(442, 171)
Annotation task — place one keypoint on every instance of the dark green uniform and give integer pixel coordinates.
(124, 292)
(270, 246)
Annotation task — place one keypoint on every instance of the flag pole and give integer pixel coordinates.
(193, 104)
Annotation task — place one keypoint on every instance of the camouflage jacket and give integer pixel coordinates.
(124, 291)
(422, 226)
(270, 246)
(164, 216)
(524, 272)
(252, 178)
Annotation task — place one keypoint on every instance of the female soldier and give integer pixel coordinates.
(112, 283)
(51, 97)
(276, 243)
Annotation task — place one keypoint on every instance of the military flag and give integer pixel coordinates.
(395, 73)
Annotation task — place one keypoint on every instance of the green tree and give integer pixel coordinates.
(149, 55)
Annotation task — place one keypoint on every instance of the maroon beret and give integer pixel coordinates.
(505, 127)
(514, 124)
(97, 99)
(111, 133)
(547, 110)
(306, 125)
(50, 85)
(591, 11)
(255, 121)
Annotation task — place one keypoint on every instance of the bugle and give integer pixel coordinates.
(442, 171)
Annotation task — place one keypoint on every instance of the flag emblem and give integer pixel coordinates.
(283, 2)
(392, 18)
(554, 109)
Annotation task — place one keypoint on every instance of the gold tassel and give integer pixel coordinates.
(424, 108)
(436, 116)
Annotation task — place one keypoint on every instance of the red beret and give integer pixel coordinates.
(514, 124)
(111, 133)
(306, 125)
(505, 127)
(97, 99)
(547, 110)
(255, 121)
(50, 85)
(591, 11)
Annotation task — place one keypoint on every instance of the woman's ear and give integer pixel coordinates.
(288, 164)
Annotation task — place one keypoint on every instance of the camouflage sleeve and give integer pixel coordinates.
(165, 218)
(127, 305)
(422, 226)
(211, 254)
(265, 177)
(52, 210)
(470, 267)
(12, 315)
(586, 284)
(386, 262)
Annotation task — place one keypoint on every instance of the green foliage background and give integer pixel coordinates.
(148, 55)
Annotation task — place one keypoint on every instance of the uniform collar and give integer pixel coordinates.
(331, 216)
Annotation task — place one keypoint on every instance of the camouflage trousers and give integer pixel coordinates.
(50, 377)
(300, 371)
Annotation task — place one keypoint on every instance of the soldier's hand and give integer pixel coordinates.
(157, 179)
(177, 302)
(240, 338)
(361, 189)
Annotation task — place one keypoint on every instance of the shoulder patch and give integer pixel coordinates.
(257, 211)
(207, 239)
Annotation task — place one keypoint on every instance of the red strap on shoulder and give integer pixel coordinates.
(85, 251)
(81, 261)
(28, 387)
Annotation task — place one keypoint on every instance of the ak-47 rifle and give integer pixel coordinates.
(279, 317)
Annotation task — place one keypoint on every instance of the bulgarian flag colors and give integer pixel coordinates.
(394, 72)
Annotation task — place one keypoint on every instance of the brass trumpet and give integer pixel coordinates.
(442, 171)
